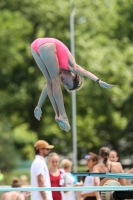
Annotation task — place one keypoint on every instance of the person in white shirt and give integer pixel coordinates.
(39, 173)
(70, 179)
(91, 161)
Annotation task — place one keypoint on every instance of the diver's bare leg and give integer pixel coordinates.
(48, 54)
(42, 67)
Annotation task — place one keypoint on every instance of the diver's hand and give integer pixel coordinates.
(105, 85)
(38, 113)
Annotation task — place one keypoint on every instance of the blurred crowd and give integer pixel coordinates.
(48, 170)
(17, 195)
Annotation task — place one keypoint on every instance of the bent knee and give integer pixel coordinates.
(56, 81)
(49, 82)
(53, 82)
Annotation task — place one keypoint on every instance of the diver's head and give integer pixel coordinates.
(71, 81)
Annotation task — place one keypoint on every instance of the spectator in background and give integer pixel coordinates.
(24, 183)
(57, 177)
(14, 195)
(113, 156)
(39, 172)
(106, 166)
(24, 180)
(70, 181)
(91, 161)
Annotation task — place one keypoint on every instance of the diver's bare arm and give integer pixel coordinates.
(79, 70)
(73, 67)
(42, 97)
(83, 72)
(37, 111)
(76, 69)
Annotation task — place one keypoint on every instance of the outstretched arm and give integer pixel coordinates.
(37, 111)
(79, 70)
(83, 72)
(73, 67)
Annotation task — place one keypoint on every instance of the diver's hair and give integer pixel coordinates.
(77, 83)
(104, 153)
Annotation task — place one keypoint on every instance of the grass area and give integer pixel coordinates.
(16, 173)
(82, 168)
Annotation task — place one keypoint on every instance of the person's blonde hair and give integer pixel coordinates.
(66, 163)
(52, 155)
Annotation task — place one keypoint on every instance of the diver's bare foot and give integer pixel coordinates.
(64, 126)
(63, 123)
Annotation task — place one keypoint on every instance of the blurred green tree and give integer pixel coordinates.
(8, 153)
(103, 44)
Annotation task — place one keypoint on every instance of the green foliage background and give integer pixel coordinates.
(103, 45)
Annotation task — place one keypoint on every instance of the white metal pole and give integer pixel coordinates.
(74, 128)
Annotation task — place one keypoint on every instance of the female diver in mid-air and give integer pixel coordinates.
(58, 65)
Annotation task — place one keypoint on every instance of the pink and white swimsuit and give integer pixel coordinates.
(61, 50)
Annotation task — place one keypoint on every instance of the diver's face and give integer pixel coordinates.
(67, 80)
